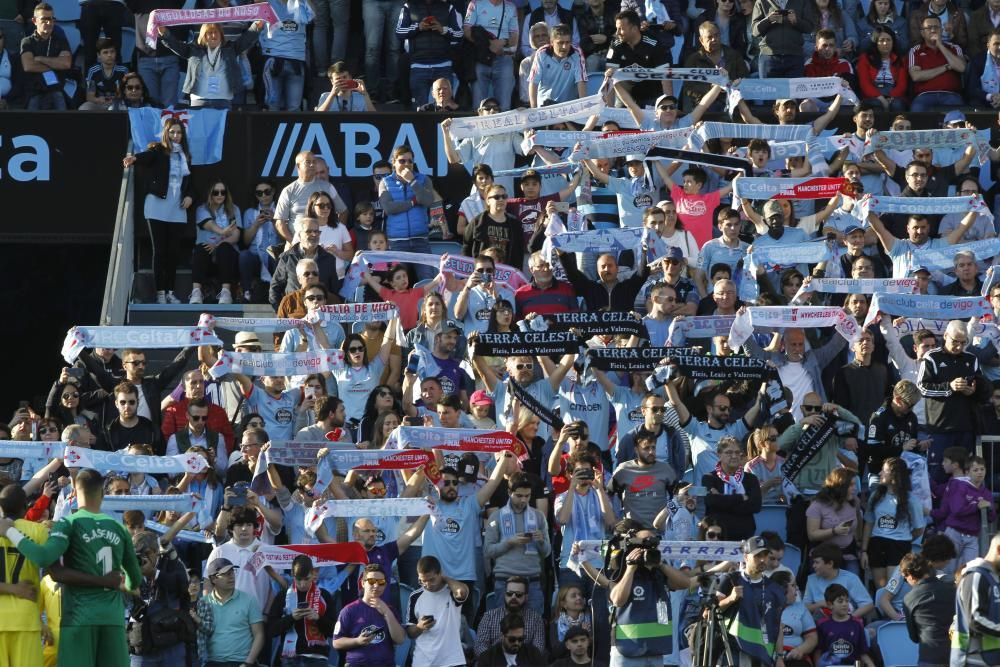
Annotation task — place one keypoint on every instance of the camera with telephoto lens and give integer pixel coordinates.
(708, 585)
(650, 547)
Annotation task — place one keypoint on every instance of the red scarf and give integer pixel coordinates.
(734, 482)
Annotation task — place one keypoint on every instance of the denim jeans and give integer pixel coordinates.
(161, 74)
(421, 80)
(935, 101)
(95, 15)
(496, 80)
(774, 66)
(338, 14)
(50, 100)
(380, 18)
(282, 85)
(941, 442)
(168, 657)
(416, 245)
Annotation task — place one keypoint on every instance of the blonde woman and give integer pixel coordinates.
(218, 223)
(213, 69)
(765, 464)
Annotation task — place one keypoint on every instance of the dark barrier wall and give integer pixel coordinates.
(60, 172)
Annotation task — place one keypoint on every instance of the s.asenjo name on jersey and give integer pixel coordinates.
(358, 145)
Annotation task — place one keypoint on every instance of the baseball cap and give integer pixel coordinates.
(779, 103)
(468, 466)
(954, 117)
(917, 269)
(754, 545)
(245, 338)
(450, 325)
(634, 157)
(218, 566)
(531, 174)
(673, 252)
(479, 397)
(772, 207)
(661, 98)
(851, 229)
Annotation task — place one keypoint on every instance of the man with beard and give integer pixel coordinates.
(176, 420)
(517, 541)
(644, 484)
(129, 427)
(455, 522)
(670, 446)
(515, 595)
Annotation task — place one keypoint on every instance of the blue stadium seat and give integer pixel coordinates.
(442, 247)
(594, 81)
(72, 34)
(792, 558)
(675, 53)
(404, 599)
(65, 10)
(773, 517)
(904, 652)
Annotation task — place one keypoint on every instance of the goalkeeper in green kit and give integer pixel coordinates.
(95, 545)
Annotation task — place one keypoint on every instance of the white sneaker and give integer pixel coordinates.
(225, 296)
(161, 297)
(196, 296)
(172, 298)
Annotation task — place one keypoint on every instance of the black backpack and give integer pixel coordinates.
(161, 629)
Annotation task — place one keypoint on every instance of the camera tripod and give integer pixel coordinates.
(708, 632)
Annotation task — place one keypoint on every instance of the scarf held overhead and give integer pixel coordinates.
(526, 344)
(474, 127)
(709, 367)
(260, 11)
(928, 306)
(264, 364)
(791, 317)
(82, 457)
(149, 338)
(633, 358)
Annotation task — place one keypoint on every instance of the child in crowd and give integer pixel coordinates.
(399, 292)
(104, 78)
(364, 223)
(959, 513)
(953, 461)
(842, 637)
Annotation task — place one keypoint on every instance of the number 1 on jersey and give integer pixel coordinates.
(104, 559)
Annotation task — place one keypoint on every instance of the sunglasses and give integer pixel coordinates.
(128, 402)
(48, 429)
(713, 535)
(449, 482)
(667, 107)
(385, 394)
(355, 348)
(376, 491)
(263, 193)
(375, 582)
(197, 418)
(812, 408)
(524, 367)
(514, 594)
(218, 193)
(71, 395)
(137, 362)
(656, 408)
(490, 107)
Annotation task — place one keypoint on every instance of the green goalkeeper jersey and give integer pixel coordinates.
(94, 544)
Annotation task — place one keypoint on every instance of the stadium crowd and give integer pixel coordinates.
(576, 417)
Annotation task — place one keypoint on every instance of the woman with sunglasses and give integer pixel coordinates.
(132, 94)
(218, 223)
(359, 376)
(834, 515)
(259, 234)
(380, 401)
(66, 402)
(733, 493)
(313, 388)
(169, 196)
(496, 228)
(333, 235)
(314, 297)
(765, 464)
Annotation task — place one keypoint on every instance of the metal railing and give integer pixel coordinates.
(121, 266)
